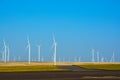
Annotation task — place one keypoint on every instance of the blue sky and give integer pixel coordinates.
(78, 25)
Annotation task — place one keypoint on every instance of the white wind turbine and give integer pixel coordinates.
(8, 55)
(102, 59)
(54, 45)
(98, 57)
(29, 50)
(39, 49)
(93, 58)
(113, 58)
(75, 59)
(5, 52)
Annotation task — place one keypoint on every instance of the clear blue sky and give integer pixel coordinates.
(78, 25)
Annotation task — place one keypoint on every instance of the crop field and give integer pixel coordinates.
(23, 67)
(28, 68)
(48, 66)
(62, 71)
(100, 66)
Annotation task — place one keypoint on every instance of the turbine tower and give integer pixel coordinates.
(102, 59)
(5, 52)
(8, 56)
(98, 58)
(93, 51)
(113, 57)
(29, 50)
(79, 59)
(39, 49)
(54, 45)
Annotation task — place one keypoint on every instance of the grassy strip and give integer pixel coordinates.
(28, 68)
(101, 66)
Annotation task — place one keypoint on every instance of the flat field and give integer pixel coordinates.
(62, 71)
(48, 66)
(25, 67)
(100, 66)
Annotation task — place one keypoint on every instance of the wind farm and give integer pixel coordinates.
(40, 62)
(59, 40)
(75, 66)
(95, 56)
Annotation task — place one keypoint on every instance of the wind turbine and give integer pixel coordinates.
(75, 59)
(112, 58)
(54, 45)
(5, 51)
(102, 59)
(8, 56)
(93, 51)
(98, 58)
(29, 50)
(39, 49)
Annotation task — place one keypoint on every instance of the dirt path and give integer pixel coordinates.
(72, 68)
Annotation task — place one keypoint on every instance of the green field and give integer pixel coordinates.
(101, 66)
(28, 68)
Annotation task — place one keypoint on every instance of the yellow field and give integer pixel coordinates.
(101, 66)
(51, 63)
(48, 66)
(28, 68)
(24, 66)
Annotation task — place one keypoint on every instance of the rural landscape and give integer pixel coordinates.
(59, 39)
(60, 71)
